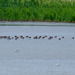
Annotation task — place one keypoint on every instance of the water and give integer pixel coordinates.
(37, 56)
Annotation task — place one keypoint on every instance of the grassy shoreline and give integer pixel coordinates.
(37, 10)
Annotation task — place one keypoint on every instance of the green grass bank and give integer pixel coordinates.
(37, 10)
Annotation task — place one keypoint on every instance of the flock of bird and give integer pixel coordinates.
(29, 37)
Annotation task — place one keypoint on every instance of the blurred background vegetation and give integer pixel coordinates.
(38, 10)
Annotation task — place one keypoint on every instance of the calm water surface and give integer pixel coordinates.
(37, 56)
(39, 48)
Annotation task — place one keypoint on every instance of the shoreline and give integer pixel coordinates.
(34, 23)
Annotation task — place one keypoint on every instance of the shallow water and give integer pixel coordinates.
(36, 67)
(38, 48)
(37, 56)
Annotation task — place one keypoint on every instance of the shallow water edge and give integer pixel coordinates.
(19, 23)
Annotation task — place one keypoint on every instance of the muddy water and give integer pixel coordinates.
(37, 56)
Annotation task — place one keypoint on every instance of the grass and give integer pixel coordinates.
(38, 10)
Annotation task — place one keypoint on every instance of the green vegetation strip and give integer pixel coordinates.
(38, 10)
